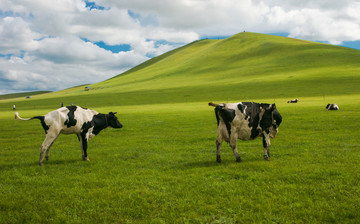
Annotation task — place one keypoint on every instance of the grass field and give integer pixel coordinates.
(161, 167)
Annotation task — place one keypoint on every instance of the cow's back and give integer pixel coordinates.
(69, 119)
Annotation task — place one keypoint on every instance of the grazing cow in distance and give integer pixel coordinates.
(245, 121)
(333, 106)
(293, 101)
(85, 123)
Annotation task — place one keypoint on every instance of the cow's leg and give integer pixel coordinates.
(83, 145)
(218, 148)
(233, 145)
(266, 145)
(219, 141)
(45, 146)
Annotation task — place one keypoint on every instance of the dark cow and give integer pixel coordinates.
(293, 101)
(245, 121)
(333, 106)
(85, 123)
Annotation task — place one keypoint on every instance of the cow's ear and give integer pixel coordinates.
(273, 106)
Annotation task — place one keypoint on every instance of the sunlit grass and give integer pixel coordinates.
(161, 168)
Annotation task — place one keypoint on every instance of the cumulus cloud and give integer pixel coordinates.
(16, 35)
(51, 45)
(333, 26)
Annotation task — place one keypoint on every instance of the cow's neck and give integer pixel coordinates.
(100, 123)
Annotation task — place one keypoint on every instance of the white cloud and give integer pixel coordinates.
(42, 42)
(16, 35)
(315, 25)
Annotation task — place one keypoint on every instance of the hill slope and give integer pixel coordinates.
(258, 65)
(244, 66)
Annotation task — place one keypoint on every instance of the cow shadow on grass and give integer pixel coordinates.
(56, 162)
(200, 164)
(224, 162)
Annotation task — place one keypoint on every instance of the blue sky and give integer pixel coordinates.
(53, 45)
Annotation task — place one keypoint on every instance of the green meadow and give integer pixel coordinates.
(161, 166)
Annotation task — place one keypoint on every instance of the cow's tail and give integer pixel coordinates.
(41, 118)
(213, 104)
(218, 107)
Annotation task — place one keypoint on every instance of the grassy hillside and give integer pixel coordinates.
(244, 66)
(17, 95)
(161, 166)
(259, 66)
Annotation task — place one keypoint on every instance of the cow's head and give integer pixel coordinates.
(113, 121)
(271, 120)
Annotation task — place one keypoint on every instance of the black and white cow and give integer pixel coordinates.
(85, 123)
(293, 101)
(333, 106)
(245, 121)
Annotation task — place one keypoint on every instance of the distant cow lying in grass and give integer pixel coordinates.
(85, 123)
(332, 106)
(293, 101)
(245, 121)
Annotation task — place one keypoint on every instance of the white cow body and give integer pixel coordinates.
(85, 123)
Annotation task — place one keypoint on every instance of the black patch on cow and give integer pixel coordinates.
(227, 115)
(252, 112)
(99, 122)
(277, 117)
(71, 121)
(264, 142)
(266, 120)
(241, 108)
(84, 143)
(42, 120)
(253, 123)
(86, 126)
(217, 115)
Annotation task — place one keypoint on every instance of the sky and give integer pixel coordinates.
(57, 44)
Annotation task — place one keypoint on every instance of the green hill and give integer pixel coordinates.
(259, 66)
(244, 66)
(16, 95)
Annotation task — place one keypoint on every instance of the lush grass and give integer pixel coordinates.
(161, 168)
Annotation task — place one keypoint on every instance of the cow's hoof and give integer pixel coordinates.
(86, 159)
(218, 159)
(41, 164)
(267, 158)
(238, 160)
